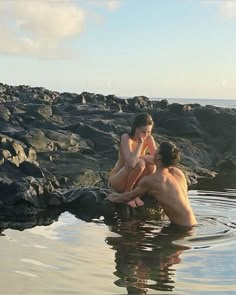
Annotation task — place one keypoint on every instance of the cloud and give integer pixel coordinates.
(226, 7)
(38, 28)
(43, 28)
(108, 4)
(228, 84)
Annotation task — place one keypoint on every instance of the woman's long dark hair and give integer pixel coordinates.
(143, 119)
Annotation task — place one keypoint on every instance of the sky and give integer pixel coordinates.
(157, 48)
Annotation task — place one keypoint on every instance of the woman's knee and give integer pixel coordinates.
(141, 165)
(150, 168)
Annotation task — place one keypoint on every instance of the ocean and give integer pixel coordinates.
(223, 103)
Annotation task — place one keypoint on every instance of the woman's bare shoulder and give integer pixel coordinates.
(125, 136)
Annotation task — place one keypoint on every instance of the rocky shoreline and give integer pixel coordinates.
(55, 144)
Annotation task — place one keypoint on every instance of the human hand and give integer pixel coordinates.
(140, 135)
(112, 197)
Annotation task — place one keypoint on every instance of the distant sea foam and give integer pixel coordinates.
(222, 103)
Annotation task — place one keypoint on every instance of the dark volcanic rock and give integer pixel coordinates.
(53, 144)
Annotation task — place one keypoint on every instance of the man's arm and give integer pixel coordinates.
(128, 196)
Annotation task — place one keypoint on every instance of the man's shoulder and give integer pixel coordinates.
(177, 171)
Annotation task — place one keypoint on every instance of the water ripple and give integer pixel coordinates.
(133, 257)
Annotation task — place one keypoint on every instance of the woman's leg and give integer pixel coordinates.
(133, 177)
(118, 180)
(149, 169)
(125, 179)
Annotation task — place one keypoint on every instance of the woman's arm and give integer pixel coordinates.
(151, 145)
(131, 156)
(151, 149)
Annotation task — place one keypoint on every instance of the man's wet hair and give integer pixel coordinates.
(142, 119)
(170, 155)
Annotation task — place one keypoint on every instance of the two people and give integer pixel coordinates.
(165, 182)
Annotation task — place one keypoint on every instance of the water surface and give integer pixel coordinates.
(222, 103)
(71, 256)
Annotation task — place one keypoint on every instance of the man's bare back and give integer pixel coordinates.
(167, 185)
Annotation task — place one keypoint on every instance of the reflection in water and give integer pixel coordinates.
(24, 221)
(146, 255)
(63, 254)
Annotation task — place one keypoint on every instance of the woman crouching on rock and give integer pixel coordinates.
(135, 158)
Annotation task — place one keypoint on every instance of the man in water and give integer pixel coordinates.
(167, 185)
